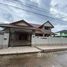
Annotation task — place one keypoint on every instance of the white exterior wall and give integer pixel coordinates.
(48, 40)
(36, 40)
(4, 40)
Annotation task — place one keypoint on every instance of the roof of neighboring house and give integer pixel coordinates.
(62, 31)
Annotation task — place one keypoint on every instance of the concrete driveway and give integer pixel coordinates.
(18, 50)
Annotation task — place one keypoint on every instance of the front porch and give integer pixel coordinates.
(20, 37)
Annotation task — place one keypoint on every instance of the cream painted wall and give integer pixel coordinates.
(4, 40)
(48, 40)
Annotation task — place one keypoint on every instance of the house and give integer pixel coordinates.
(20, 32)
(62, 33)
(45, 29)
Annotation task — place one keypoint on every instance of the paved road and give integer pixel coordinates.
(55, 59)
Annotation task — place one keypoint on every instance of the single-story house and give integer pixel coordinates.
(20, 32)
(62, 33)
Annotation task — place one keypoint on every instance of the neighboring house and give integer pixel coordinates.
(20, 32)
(62, 33)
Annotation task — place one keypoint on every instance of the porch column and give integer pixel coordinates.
(33, 32)
(43, 35)
(11, 37)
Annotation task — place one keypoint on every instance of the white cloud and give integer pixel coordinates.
(53, 3)
(36, 1)
(56, 9)
(59, 27)
(65, 18)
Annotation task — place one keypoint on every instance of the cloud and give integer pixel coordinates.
(59, 27)
(56, 9)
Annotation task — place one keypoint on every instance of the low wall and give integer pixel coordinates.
(4, 40)
(36, 40)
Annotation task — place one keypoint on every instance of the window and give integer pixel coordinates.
(38, 34)
(47, 35)
(47, 28)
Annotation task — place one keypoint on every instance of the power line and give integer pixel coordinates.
(32, 6)
(32, 12)
(23, 9)
(35, 7)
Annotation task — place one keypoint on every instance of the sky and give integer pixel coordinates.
(35, 11)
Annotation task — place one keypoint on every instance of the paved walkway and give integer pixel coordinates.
(51, 48)
(26, 50)
(18, 50)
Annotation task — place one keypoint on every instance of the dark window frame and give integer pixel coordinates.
(47, 28)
